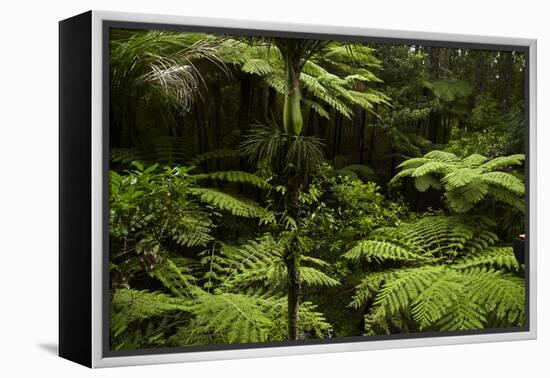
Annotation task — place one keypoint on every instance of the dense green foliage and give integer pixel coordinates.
(264, 189)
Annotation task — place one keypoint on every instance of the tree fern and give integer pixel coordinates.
(464, 282)
(322, 87)
(466, 181)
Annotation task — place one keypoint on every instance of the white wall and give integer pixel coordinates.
(28, 186)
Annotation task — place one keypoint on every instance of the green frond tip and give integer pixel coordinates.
(258, 67)
(496, 257)
(374, 250)
(503, 162)
(442, 156)
(235, 177)
(236, 206)
(432, 167)
(505, 181)
(314, 277)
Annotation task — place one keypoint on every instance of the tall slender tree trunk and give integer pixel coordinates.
(507, 70)
(292, 259)
(293, 122)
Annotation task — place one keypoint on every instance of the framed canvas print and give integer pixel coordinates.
(239, 189)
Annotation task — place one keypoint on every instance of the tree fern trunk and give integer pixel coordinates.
(292, 260)
(294, 289)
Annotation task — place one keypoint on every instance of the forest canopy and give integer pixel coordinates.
(266, 189)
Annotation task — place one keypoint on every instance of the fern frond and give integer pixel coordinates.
(442, 156)
(431, 168)
(192, 229)
(502, 294)
(129, 305)
(459, 177)
(463, 314)
(125, 155)
(228, 318)
(401, 289)
(374, 250)
(175, 275)
(314, 277)
(317, 108)
(368, 288)
(503, 162)
(434, 302)
(423, 183)
(496, 257)
(508, 198)
(505, 181)
(474, 160)
(169, 149)
(236, 206)
(462, 199)
(413, 163)
(258, 67)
